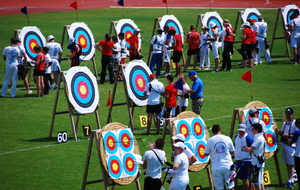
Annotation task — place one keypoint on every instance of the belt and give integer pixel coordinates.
(197, 98)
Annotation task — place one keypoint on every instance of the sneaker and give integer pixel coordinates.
(200, 68)
(55, 87)
(29, 92)
(294, 63)
(166, 74)
(214, 71)
(51, 87)
(207, 68)
(289, 185)
(37, 95)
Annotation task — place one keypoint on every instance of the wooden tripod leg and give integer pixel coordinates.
(87, 162)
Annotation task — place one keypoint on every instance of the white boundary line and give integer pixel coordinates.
(33, 148)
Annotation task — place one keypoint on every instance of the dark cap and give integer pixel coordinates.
(121, 34)
(289, 111)
(159, 30)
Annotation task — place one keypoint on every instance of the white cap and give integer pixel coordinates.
(71, 40)
(253, 110)
(246, 24)
(50, 37)
(179, 144)
(211, 24)
(242, 127)
(179, 136)
(137, 29)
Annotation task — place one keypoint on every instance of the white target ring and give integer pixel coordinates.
(286, 13)
(173, 23)
(250, 13)
(212, 17)
(84, 37)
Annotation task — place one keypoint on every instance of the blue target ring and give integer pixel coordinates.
(271, 141)
(189, 145)
(111, 143)
(199, 151)
(115, 167)
(82, 89)
(82, 37)
(183, 127)
(129, 165)
(126, 140)
(30, 40)
(266, 116)
(173, 25)
(198, 128)
(253, 16)
(128, 31)
(215, 20)
(138, 81)
(288, 15)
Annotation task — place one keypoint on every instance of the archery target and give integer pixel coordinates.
(250, 13)
(198, 128)
(173, 23)
(137, 77)
(130, 166)
(212, 17)
(271, 141)
(190, 146)
(115, 167)
(82, 89)
(246, 114)
(127, 27)
(84, 37)
(110, 143)
(286, 13)
(31, 36)
(266, 116)
(199, 151)
(126, 140)
(183, 127)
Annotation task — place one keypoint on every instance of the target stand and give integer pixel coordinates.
(196, 135)
(104, 144)
(284, 14)
(84, 37)
(89, 103)
(241, 114)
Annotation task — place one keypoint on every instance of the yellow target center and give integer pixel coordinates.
(140, 82)
(82, 41)
(82, 89)
(184, 131)
(126, 141)
(110, 143)
(128, 36)
(130, 164)
(197, 128)
(270, 140)
(115, 166)
(201, 151)
(266, 118)
(32, 45)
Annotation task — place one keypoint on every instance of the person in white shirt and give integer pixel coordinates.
(220, 148)
(156, 45)
(153, 162)
(294, 28)
(261, 38)
(254, 118)
(47, 78)
(124, 51)
(167, 49)
(182, 97)
(215, 44)
(204, 48)
(22, 67)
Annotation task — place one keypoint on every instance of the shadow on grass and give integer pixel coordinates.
(291, 80)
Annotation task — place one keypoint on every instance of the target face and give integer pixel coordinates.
(286, 14)
(127, 27)
(31, 36)
(266, 116)
(250, 13)
(271, 142)
(183, 127)
(199, 151)
(114, 167)
(84, 37)
(130, 166)
(173, 23)
(126, 140)
(110, 143)
(137, 77)
(82, 89)
(212, 17)
(198, 128)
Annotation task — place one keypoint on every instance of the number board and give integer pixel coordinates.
(143, 120)
(86, 130)
(198, 187)
(266, 178)
(62, 137)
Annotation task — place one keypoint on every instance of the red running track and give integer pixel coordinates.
(8, 7)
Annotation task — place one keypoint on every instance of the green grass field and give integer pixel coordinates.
(29, 160)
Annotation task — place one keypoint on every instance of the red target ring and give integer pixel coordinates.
(110, 142)
(201, 149)
(83, 89)
(266, 118)
(82, 41)
(125, 140)
(129, 164)
(140, 82)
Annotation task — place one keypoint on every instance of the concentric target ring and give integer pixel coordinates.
(115, 166)
(198, 128)
(286, 14)
(183, 127)
(173, 23)
(111, 143)
(126, 140)
(130, 166)
(271, 141)
(266, 116)
(199, 151)
(251, 13)
(212, 17)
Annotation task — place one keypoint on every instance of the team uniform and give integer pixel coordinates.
(288, 128)
(296, 139)
(134, 47)
(39, 70)
(246, 44)
(228, 48)
(54, 49)
(117, 53)
(47, 78)
(204, 50)
(167, 52)
(181, 176)
(255, 49)
(124, 51)
(251, 121)
(177, 53)
(11, 70)
(261, 37)
(171, 94)
(259, 149)
(295, 36)
(181, 101)
(106, 60)
(215, 44)
(154, 88)
(193, 39)
(157, 53)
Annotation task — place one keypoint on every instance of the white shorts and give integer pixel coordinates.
(55, 65)
(220, 177)
(182, 101)
(172, 112)
(167, 56)
(287, 155)
(294, 42)
(260, 177)
(215, 47)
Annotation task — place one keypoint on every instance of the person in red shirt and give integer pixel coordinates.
(247, 44)
(228, 46)
(134, 45)
(193, 40)
(105, 46)
(76, 52)
(171, 98)
(39, 70)
(177, 53)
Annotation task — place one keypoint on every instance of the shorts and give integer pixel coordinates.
(177, 56)
(153, 108)
(220, 176)
(215, 51)
(257, 175)
(167, 56)
(244, 169)
(247, 51)
(169, 111)
(55, 66)
(287, 155)
(294, 42)
(192, 51)
(152, 184)
(38, 73)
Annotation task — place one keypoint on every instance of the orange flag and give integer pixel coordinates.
(108, 99)
(247, 76)
(74, 5)
(164, 1)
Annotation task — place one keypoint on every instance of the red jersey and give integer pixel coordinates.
(248, 33)
(178, 39)
(193, 39)
(106, 47)
(229, 34)
(253, 36)
(171, 94)
(42, 59)
(133, 42)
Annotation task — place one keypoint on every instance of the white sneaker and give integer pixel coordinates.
(166, 74)
(29, 92)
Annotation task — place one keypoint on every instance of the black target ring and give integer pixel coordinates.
(30, 40)
(138, 75)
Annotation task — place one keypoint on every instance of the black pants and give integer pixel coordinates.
(228, 48)
(105, 61)
(152, 184)
(297, 168)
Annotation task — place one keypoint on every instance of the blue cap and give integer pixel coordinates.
(191, 73)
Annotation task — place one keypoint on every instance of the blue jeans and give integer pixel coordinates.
(156, 58)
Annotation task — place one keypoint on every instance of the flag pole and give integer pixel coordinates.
(28, 20)
(167, 7)
(77, 14)
(123, 12)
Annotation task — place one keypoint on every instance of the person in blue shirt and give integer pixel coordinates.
(196, 92)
